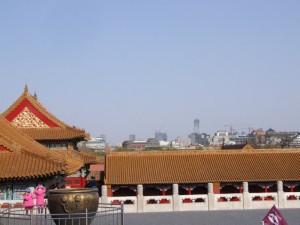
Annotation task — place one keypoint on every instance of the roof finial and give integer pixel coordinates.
(26, 88)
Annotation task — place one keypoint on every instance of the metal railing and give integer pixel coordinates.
(106, 214)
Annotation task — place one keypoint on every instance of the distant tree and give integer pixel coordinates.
(123, 150)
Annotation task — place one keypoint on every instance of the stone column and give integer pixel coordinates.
(140, 198)
(280, 195)
(211, 197)
(175, 198)
(246, 196)
(104, 194)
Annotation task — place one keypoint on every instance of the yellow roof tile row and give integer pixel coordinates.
(85, 158)
(53, 133)
(202, 166)
(19, 165)
(23, 157)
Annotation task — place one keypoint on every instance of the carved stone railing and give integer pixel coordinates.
(193, 202)
(291, 199)
(263, 200)
(129, 203)
(158, 203)
(228, 201)
(176, 202)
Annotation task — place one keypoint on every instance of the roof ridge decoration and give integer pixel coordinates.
(26, 88)
(40, 116)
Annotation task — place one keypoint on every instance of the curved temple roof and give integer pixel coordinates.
(21, 157)
(202, 166)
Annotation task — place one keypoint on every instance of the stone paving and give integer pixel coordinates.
(236, 217)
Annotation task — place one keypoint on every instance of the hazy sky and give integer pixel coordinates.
(136, 67)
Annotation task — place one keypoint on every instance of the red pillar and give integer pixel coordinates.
(292, 197)
(109, 191)
(241, 188)
(189, 190)
(216, 187)
(82, 182)
(163, 191)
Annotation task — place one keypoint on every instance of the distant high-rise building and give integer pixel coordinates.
(196, 126)
(131, 137)
(197, 138)
(103, 136)
(161, 136)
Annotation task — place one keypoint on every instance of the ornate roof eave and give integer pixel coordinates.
(85, 158)
(53, 133)
(21, 165)
(73, 165)
(30, 177)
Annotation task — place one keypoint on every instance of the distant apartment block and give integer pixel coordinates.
(181, 143)
(240, 138)
(294, 142)
(161, 136)
(132, 137)
(139, 145)
(219, 138)
(199, 139)
(288, 139)
(97, 143)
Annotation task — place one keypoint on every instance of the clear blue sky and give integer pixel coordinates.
(136, 67)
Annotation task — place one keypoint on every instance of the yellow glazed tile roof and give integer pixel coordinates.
(202, 166)
(23, 157)
(85, 158)
(53, 133)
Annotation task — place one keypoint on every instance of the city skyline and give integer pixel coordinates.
(119, 68)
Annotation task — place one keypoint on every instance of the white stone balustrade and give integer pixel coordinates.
(210, 201)
(228, 201)
(193, 202)
(291, 199)
(129, 202)
(158, 203)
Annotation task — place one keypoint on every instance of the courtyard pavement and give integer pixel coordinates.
(233, 217)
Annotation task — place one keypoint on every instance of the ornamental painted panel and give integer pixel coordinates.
(27, 119)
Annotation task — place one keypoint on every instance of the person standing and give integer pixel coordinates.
(40, 200)
(28, 200)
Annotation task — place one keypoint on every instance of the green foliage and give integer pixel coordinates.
(123, 150)
(153, 148)
(92, 151)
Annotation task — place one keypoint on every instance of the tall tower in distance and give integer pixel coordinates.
(132, 137)
(196, 126)
(161, 136)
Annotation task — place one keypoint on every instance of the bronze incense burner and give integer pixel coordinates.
(73, 206)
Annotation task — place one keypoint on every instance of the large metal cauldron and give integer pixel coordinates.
(73, 206)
